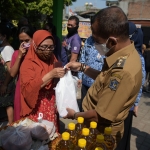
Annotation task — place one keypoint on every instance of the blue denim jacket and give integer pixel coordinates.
(91, 57)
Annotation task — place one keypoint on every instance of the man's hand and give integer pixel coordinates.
(73, 66)
(70, 114)
(135, 111)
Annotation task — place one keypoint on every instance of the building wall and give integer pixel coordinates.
(137, 10)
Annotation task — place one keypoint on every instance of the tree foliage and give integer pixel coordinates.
(41, 6)
(12, 9)
(69, 2)
(33, 9)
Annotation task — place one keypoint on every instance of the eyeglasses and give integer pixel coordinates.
(46, 47)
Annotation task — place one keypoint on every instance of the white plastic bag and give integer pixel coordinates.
(65, 92)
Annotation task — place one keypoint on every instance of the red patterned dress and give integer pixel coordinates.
(46, 104)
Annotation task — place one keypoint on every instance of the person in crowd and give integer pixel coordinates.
(25, 37)
(52, 29)
(37, 75)
(72, 42)
(15, 42)
(7, 84)
(147, 68)
(136, 35)
(92, 56)
(116, 87)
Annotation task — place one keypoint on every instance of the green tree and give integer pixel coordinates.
(12, 9)
(69, 2)
(43, 8)
(35, 10)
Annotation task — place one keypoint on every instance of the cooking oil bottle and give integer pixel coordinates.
(98, 148)
(99, 143)
(81, 144)
(108, 138)
(93, 130)
(85, 135)
(79, 126)
(72, 132)
(65, 143)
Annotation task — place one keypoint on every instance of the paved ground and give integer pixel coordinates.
(140, 138)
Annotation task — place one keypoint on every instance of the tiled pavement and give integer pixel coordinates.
(140, 138)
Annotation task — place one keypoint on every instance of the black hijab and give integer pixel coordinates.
(136, 35)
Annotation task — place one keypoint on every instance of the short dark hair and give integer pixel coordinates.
(93, 19)
(75, 18)
(5, 31)
(51, 26)
(27, 29)
(112, 21)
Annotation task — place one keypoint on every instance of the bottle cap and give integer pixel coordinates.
(81, 143)
(100, 138)
(80, 119)
(108, 130)
(71, 126)
(93, 124)
(85, 131)
(98, 148)
(65, 136)
(40, 117)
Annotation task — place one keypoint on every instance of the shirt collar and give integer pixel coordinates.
(122, 52)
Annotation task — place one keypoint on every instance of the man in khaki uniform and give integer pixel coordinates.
(115, 89)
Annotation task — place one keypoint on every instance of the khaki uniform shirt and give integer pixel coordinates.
(115, 89)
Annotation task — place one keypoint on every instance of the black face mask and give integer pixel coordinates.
(72, 31)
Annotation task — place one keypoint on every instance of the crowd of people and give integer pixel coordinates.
(112, 67)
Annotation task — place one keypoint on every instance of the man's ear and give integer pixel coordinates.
(112, 41)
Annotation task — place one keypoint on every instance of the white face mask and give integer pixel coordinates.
(102, 48)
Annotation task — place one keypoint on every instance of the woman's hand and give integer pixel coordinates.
(73, 66)
(70, 114)
(58, 72)
(22, 50)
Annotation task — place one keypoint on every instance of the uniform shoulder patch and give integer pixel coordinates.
(120, 62)
(113, 85)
